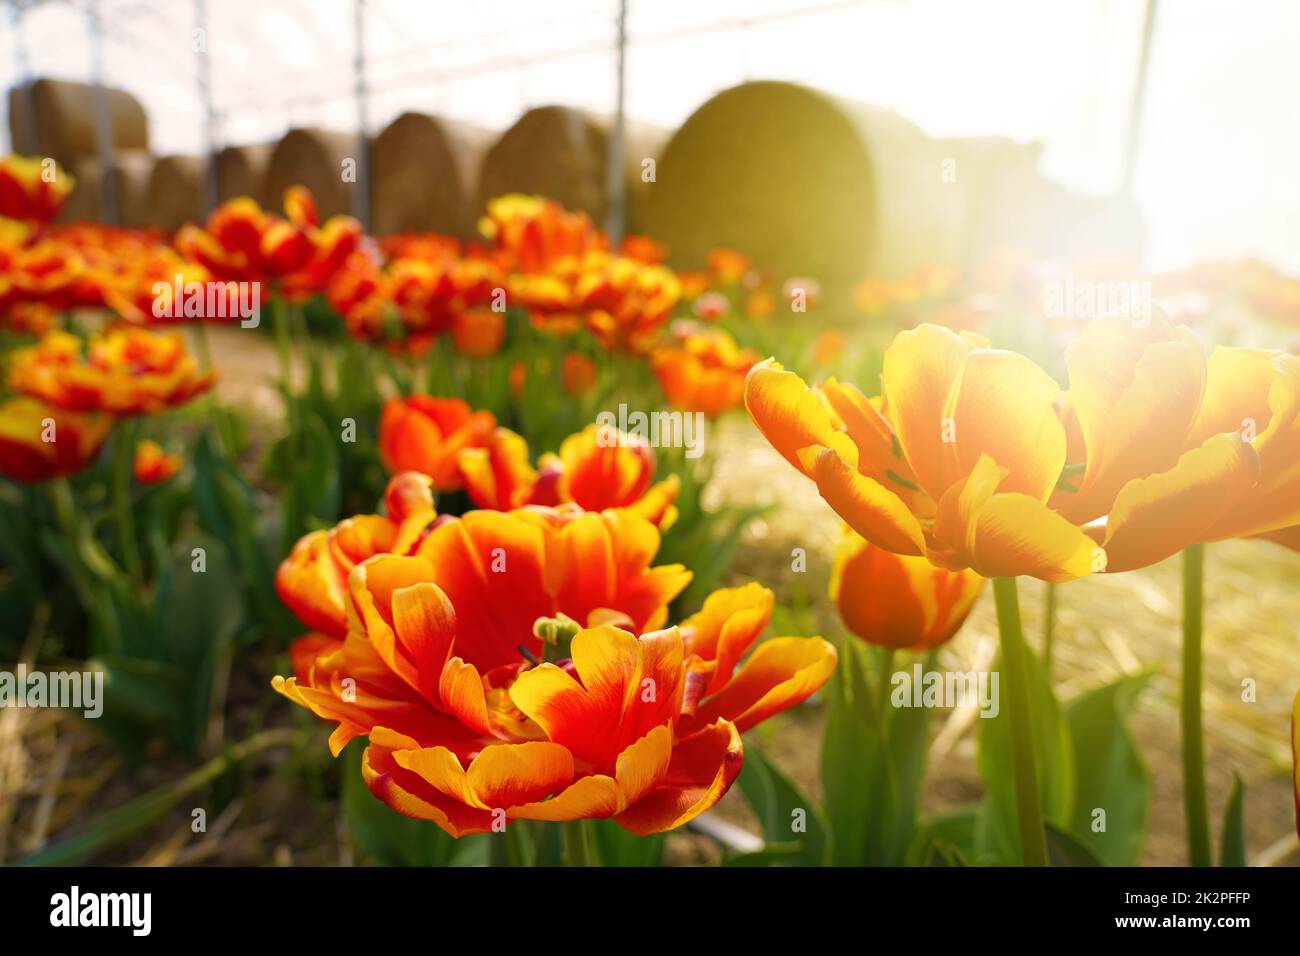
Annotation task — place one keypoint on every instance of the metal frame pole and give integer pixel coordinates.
(1139, 97)
(615, 174)
(28, 138)
(108, 206)
(204, 77)
(361, 198)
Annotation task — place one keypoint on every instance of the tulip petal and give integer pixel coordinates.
(701, 770)
(782, 672)
(460, 688)
(921, 371)
(724, 629)
(412, 796)
(868, 507)
(501, 776)
(1158, 516)
(790, 415)
(425, 624)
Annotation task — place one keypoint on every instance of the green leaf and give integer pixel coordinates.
(1064, 849)
(774, 854)
(1111, 775)
(851, 765)
(997, 834)
(946, 840)
(1233, 849)
(907, 734)
(779, 803)
(615, 846)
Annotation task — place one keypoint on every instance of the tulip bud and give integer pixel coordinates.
(899, 601)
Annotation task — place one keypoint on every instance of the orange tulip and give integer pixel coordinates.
(705, 372)
(427, 434)
(32, 190)
(38, 442)
(899, 601)
(536, 233)
(588, 472)
(1172, 448)
(828, 347)
(151, 465)
(499, 476)
(467, 731)
(955, 461)
(126, 371)
(579, 374)
(479, 333)
(728, 266)
(313, 580)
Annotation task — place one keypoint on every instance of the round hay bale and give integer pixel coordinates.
(313, 158)
(176, 191)
(806, 185)
(422, 175)
(65, 123)
(241, 171)
(132, 169)
(562, 153)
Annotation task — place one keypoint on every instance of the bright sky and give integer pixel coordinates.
(1219, 140)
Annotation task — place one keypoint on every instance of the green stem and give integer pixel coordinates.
(1015, 678)
(65, 509)
(886, 673)
(1193, 743)
(283, 344)
(1049, 627)
(123, 447)
(519, 851)
(577, 845)
(220, 417)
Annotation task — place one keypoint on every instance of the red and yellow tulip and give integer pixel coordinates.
(32, 189)
(595, 469)
(426, 434)
(152, 465)
(125, 371)
(956, 460)
(39, 442)
(438, 669)
(899, 601)
(704, 372)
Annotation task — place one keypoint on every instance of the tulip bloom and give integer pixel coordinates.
(955, 461)
(1236, 475)
(478, 333)
(595, 469)
(466, 730)
(29, 190)
(427, 434)
(313, 580)
(151, 465)
(126, 371)
(899, 601)
(705, 372)
(38, 442)
(579, 373)
(535, 233)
